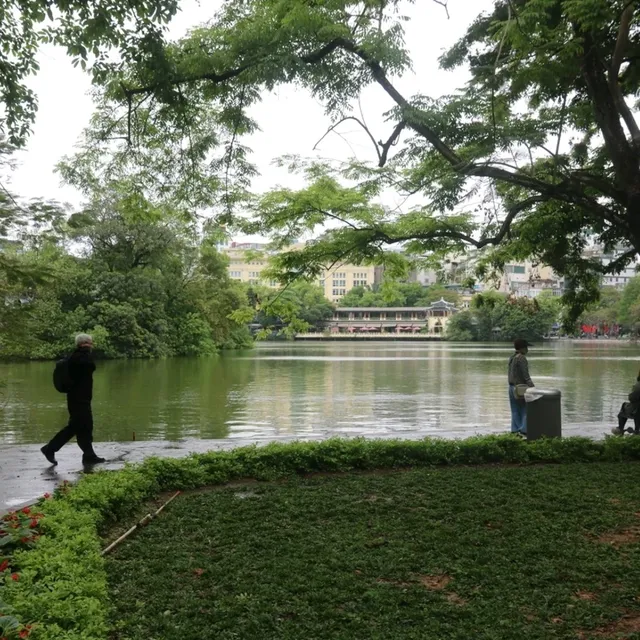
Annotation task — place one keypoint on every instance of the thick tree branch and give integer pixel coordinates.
(622, 41)
(452, 234)
(607, 116)
(606, 187)
(622, 44)
(415, 119)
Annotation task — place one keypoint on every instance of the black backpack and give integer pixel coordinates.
(61, 378)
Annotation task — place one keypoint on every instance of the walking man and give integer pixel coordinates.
(80, 391)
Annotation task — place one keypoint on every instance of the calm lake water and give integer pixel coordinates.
(321, 389)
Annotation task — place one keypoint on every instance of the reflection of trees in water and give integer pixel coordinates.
(595, 385)
(173, 398)
(33, 408)
(271, 394)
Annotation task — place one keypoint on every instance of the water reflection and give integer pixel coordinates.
(321, 389)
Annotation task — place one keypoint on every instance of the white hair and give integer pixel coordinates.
(83, 338)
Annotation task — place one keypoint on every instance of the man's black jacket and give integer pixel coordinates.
(81, 368)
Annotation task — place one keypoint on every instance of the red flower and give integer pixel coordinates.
(25, 540)
(47, 496)
(24, 633)
(33, 524)
(15, 577)
(26, 511)
(4, 565)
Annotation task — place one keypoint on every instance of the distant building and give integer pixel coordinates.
(529, 280)
(425, 277)
(432, 319)
(340, 279)
(616, 280)
(520, 279)
(248, 260)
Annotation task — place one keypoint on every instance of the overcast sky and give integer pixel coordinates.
(290, 120)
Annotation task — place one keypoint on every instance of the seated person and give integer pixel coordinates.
(630, 410)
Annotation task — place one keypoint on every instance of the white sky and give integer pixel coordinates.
(291, 121)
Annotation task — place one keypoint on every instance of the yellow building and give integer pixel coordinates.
(339, 280)
(248, 260)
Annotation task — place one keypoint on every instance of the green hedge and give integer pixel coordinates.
(62, 586)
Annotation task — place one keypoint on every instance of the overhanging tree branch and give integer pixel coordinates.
(380, 235)
(218, 78)
(569, 191)
(412, 116)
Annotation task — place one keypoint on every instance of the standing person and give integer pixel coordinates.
(519, 377)
(80, 368)
(628, 410)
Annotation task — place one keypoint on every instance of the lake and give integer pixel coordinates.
(310, 390)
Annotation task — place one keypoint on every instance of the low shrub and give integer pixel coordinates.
(52, 577)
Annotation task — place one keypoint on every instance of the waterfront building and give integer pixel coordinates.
(431, 320)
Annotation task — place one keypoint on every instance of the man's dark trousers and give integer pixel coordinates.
(80, 425)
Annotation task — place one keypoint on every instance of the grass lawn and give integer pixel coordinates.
(465, 553)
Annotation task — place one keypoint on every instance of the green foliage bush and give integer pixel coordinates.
(495, 316)
(62, 586)
(146, 286)
(398, 294)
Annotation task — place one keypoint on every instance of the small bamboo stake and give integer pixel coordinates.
(146, 520)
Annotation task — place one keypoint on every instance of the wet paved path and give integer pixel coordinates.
(25, 474)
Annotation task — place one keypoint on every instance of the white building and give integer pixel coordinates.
(616, 280)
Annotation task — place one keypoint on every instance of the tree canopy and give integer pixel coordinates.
(143, 280)
(493, 316)
(398, 294)
(543, 135)
(89, 31)
(298, 308)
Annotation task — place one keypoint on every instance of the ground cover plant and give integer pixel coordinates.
(493, 552)
(53, 579)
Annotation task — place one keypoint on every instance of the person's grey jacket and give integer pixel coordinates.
(519, 370)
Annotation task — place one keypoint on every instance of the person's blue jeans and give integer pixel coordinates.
(518, 412)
